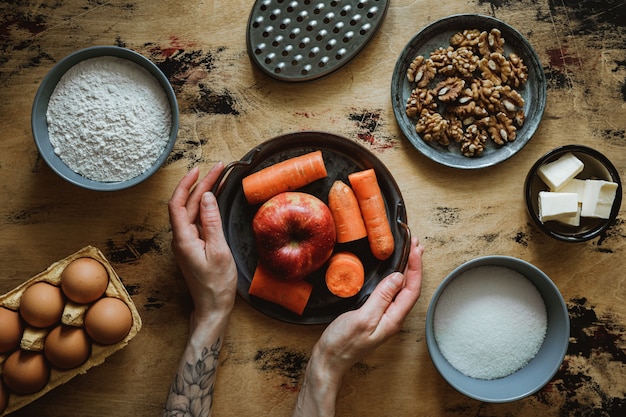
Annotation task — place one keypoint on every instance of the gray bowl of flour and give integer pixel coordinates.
(497, 329)
(105, 118)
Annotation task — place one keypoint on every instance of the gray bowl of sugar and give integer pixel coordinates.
(497, 329)
(105, 118)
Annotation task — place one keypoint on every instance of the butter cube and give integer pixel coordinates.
(571, 220)
(557, 206)
(557, 173)
(598, 198)
(574, 186)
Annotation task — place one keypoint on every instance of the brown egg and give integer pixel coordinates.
(4, 397)
(26, 372)
(11, 329)
(108, 320)
(41, 304)
(84, 280)
(67, 347)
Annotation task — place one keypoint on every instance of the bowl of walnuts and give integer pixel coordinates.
(468, 91)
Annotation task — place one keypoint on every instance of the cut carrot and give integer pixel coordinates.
(345, 274)
(293, 295)
(346, 213)
(287, 175)
(368, 194)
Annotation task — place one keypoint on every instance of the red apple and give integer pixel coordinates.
(294, 234)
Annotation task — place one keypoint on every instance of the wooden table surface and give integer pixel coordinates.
(227, 107)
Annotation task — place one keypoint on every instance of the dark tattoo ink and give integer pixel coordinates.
(191, 393)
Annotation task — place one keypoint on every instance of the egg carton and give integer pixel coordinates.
(73, 315)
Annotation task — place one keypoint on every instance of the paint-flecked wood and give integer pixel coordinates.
(227, 107)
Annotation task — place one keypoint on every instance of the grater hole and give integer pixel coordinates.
(304, 42)
(287, 50)
(257, 22)
(259, 49)
(302, 16)
(338, 27)
(292, 6)
(312, 24)
(361, 4)
(323, 62)
(265, 5)
(321, 34)
(331, 44)
(355, 19)
(313, 52)
(270, 57)
(365, 28)
(306, 69)
(329, 17)
(277, 41)
(340, 54)
(296, 60)
(285, 23)
(275, 13)
(279, 68)
(372, 12)
(294, 33)
(334, 3)
(267, 31)
(345, 10)
(348, 36)
(318, 8)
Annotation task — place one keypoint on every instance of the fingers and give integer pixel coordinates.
(177, 205)
(211, 221)
(205, 184)
(383, 295)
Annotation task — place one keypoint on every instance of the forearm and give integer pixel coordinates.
(318, 394)
(192, 390)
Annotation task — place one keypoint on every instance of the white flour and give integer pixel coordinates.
(108, 119)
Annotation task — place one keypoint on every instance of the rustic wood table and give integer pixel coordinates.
(227, 106)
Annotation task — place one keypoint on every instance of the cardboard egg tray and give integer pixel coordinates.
(73, 315)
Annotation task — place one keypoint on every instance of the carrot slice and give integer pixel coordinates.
(346, 213)
(286, 175)
(293, 295)
(370, 198)
(345, 274)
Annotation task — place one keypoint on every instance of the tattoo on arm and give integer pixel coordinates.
(191, 393)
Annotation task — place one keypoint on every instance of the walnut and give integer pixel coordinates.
(501, 129)
(489, 42)
(421, 70)
(511, 101)
(467, 38)
(519, 71)
(442, 59)
(495, 68)
(519, 118)
(433, 128)
(449, 89)
(485, 93)
(464, 62)
(473, 143)
(420, 99)
(455, 130)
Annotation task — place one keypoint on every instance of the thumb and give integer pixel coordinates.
(210, 219)
(384, 294)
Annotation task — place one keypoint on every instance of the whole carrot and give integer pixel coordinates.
(287, 175)
(293, 295)
(365, 186)
(345, 274)
(346, 213)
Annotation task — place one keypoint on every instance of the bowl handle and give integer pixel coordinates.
(404, 258)
(219, 183)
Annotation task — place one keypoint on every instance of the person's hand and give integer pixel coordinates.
(199, 245)
(355, 334)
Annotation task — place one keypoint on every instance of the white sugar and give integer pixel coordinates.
(489, 322)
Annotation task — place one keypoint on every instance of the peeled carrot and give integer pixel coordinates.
(293, 295)
(286, 175)
(345, 274)
(346, 213)
(368, 194)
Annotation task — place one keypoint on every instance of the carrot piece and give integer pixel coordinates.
(346, 213)
(368, 194)
(286, 175)
(293, 295)
(345, 274)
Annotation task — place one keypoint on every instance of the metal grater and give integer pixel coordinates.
(303, 40)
